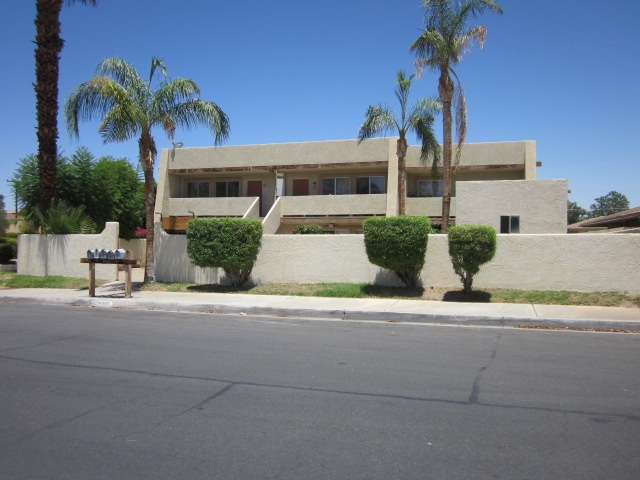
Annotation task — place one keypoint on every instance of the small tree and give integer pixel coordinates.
(309, 229)
(612, 202)
(575, 213)
(398, 244)
(229, 243)
(111, 190)
(470, 246)
(3, 218)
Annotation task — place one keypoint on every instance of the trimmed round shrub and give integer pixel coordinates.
(398, 244)
(228, 243)
(470, 246)
(310, 229)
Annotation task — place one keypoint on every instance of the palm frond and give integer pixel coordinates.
(157, 63)
(474, 8)
(421, 122)
(402, 94)
(121, 123)
(430, 50)
(460, 106)
(122, 72)
(90, 100)
(171, 93)
(464, 43)
(195, 112)
(61, 218)
(378, 120)
(84, 2)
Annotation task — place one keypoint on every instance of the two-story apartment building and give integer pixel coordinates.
(337, 184)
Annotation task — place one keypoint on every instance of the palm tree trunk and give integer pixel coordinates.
(47, 54)
(445, 89)
(401, 151)
(147, 152)
(446, 166)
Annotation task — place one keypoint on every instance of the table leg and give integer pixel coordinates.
(92, 279)
(127, 281)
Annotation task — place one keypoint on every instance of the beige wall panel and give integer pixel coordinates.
(53, 255)
(541, 204)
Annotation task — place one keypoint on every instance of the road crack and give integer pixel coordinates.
(475, 388)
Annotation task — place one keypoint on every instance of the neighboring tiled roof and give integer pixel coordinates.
(609, 221)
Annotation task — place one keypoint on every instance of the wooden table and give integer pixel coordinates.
(127, 262)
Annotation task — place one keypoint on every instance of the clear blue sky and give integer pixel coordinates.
(564, 73)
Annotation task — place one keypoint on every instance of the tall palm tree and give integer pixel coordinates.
(380, 120)
(445, 39)
(48, 48)
(130, 107)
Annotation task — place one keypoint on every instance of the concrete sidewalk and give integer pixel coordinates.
(390, 310)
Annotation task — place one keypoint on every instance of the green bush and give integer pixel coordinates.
(398, 244)
(470, 246)
(4, 224)
(229, 243)
(311, 229)
(7, 251)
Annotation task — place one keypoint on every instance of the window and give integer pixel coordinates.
(197, 189)
(370, 185)
(510, 224)
(335, 186)
(228, 189)
(430, 188)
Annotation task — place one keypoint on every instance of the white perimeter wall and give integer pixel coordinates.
(530, 262)
(53, 255)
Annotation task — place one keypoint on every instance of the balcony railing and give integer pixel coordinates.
(211, 207)
(428, 206)
(356, 205)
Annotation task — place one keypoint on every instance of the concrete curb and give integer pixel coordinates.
(335, 314)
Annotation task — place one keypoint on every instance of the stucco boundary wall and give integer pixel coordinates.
(138, 247)
(598, 262)
(59, 255)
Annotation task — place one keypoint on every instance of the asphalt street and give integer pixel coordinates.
(139, 394)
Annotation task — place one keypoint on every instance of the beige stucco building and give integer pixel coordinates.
(339, 184)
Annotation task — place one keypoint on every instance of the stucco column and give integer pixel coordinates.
(530, 160)
(392, 179)
(162, 191)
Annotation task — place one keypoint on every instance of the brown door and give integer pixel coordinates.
(254, 189)
(301, 187)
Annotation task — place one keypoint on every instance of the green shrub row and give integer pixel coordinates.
(310, 229)
(400, 245)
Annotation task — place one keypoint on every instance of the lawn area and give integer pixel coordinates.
(12, 280)
(350, 290)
